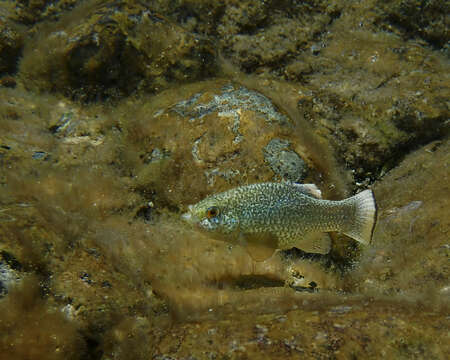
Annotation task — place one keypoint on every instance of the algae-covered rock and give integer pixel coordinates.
(111, 49)
(9, 266)
(264, 36)
(79, 223)
(342, 330)
(30, 12)
(11, 43)
(200, 17)
(411, 243)
(284, 161)
(117, 280)
(428, 20)
(395, 302)
(53, 337)
(215, 135)
(375, 96)
(92, 249)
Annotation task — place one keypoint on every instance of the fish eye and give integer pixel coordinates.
(212, 212)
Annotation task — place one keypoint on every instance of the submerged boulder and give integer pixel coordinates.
(211, 136)
(111, 49)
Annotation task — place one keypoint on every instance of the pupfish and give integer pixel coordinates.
(269, 216)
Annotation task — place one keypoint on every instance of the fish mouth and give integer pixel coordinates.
(188, 216)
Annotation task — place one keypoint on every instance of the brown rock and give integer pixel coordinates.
(112, 49)
(217, 135)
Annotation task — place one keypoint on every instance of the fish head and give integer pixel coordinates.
(212, 214)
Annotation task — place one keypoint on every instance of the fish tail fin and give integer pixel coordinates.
(363, 224)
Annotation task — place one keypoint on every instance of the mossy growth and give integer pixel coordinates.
(30, 12)
(102, 50)
(427, 20)
(11, 43)
(31, 329)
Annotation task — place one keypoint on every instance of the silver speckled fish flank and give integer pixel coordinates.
(292, 215)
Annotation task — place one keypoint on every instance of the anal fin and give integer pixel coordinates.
(317, 243)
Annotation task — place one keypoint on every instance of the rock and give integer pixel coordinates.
(360, 331)
(283, 161)
(56, 337)
(383, 99)
(264, 37)
(375, 95)
(212, 136)
(101, 50)
(11, 43)
(427, 21)
(409, 254)
(30, 12)
(9, 267)
(32, 125)
(91, 194)
(409, 251)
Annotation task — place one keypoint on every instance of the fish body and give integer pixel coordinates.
(285, 215)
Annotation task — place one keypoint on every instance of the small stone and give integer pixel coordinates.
(283, 161)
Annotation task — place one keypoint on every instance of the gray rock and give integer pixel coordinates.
(8, 276)
(284, 161)
(229, 101)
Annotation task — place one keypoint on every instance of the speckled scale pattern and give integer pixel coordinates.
(282, 210)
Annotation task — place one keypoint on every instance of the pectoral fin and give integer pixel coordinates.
(317, 243)
(259, 252)
(259, 246)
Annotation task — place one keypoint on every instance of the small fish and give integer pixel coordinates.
(268, 216)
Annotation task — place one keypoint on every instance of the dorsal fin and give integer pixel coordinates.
(309, 189)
